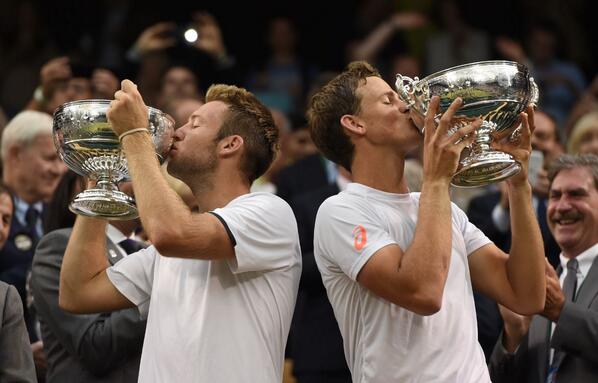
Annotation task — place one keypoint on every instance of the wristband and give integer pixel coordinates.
(132, 131)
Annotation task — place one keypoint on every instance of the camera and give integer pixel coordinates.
(186, 34)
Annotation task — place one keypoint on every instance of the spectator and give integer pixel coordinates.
(559, 344)
(179, 82)
(162, 46)
(299, 143)
(316, 345)
(31, 169)
(561, 82)
(16, 361)
(103, 347)
(281, 81)
(587, 102)
(376, 45)
(62, 81)
(459, 43)
(180, 109)
(26, 43)
(584, 136)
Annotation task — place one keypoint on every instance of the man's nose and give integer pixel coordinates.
(58, 167)
(403, 107)
(563, 204)
(178, 134)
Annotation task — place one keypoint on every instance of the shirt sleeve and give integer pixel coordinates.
(133, 276)
(263, 231)
(473, 237)
(348, 235)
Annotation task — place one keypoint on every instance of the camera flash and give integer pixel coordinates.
(191, 35)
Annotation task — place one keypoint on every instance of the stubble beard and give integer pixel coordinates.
(198, 174)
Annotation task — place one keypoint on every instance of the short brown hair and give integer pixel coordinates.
(568, 161)
(329, 104)
(250, 119)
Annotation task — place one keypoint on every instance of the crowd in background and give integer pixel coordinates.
(55, 53)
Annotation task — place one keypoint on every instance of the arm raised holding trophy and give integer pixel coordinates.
(503, 95)
(412, 259)
(186, 234)
(208, 275)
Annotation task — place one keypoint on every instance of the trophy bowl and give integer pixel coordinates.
(496, 92)
(87, 144)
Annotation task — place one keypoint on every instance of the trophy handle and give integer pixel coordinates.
(535, 92)
(406, 89)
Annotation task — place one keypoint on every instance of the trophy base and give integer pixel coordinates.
(485, 168)
(107, 204)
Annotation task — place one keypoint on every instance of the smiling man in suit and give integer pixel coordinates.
(559, 345)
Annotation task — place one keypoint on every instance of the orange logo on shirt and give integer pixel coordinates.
(360, 237)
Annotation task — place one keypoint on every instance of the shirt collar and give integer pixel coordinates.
(114, 234)
(369, 192)
(21, 208)
(585, 259)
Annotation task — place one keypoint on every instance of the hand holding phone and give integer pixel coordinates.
(536, 162)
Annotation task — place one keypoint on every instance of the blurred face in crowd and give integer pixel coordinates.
(589, 141)
(542, 45)
(38, 169)
(59, 96)
(406, 65)
(544, 137)
(573, 210)
(183, 110)
(299, 144)
(73, 89)
(282, 35)
(6, 211)
(79, 88)
(178, 83)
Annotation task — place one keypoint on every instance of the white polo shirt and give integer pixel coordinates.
(219, 321)
(384, 342)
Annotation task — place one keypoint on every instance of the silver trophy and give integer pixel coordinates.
(88, 145)
(495, 91)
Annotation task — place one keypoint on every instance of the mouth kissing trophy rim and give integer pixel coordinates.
(86, 143)
(482, 165)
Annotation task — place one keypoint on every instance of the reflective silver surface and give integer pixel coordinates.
(496, 91)
(88, 145)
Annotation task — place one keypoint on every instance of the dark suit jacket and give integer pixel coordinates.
(15, 263)
(16, 360)
(576, 333)
(480, 214)
(82, 348)
(488, 317)
(304, 175)
(316, 342)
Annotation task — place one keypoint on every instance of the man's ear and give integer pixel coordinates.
(353, 124)
(14, 153)
(231, 145)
